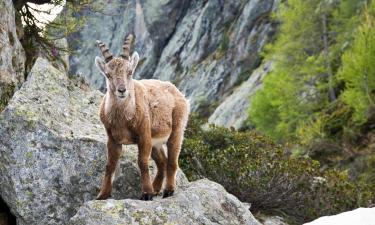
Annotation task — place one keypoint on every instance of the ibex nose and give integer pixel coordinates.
(121, 90)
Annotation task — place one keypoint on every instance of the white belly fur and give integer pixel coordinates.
(157, 142)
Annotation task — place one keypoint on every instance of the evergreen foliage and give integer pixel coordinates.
(310, 73)
(358, 69)
(323, 47)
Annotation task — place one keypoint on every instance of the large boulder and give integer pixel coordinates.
(205, 47)
(53, 150)
(232, 112)
(200, 202)
(12, 56)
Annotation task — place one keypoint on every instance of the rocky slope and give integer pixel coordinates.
(12, 56)
(205, 47)
(52, 150)
(52, 156)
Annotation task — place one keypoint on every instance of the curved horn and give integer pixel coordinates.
(127, 46)
(105, 51)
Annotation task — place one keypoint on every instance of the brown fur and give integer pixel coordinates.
(150, 113)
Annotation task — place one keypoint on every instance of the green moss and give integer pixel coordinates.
(29, 155)
(27, 114)
(7, 94)
(142, 61)
(145, 218)
(30, 195)
(206, 107)
(243, 76)
(115, 210)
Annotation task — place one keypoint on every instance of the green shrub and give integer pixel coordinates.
(256, 170)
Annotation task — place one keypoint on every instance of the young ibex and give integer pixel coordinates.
(148, 113)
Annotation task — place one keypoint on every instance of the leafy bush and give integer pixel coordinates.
(256, 170)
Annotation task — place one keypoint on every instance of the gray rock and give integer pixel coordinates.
(201, 202)
(214, 45)
(12, 56)
(205, 47)
(151, 27)
(233, 111)
(53, 151)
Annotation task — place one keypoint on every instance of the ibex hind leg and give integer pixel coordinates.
(174, 147)
(160, 159)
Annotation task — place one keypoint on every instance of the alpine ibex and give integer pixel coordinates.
(148, 113)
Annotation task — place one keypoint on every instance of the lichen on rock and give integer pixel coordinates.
(200, 202)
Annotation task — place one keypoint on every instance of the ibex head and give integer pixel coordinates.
(118, 71)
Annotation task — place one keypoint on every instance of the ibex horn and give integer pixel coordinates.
(127, 46)
(105, 51)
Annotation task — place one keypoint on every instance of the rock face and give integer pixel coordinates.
(53, 151)
(12, 56)
(232, 112)
(205, 47)
(201, 202)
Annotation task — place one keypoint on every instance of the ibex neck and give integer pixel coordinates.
(120, 109)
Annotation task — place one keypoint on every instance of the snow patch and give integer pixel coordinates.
(360, 216)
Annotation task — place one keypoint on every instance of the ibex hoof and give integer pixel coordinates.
(167, 193)
(103, 196)
(147, 197)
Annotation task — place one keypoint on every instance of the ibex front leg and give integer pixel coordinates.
(144, 148)
(113, 155)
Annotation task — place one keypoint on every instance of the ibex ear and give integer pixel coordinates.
(134, 61)
(99, 62)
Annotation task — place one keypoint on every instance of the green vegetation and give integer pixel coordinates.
(257, 170)
(323, 86)
(317, 104)
(304, 82)
(6, 95)
(320, 97)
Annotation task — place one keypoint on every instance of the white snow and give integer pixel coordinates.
(360, 216)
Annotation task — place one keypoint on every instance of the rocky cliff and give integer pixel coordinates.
(206, 48)
(232, 112)
(12, 56)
